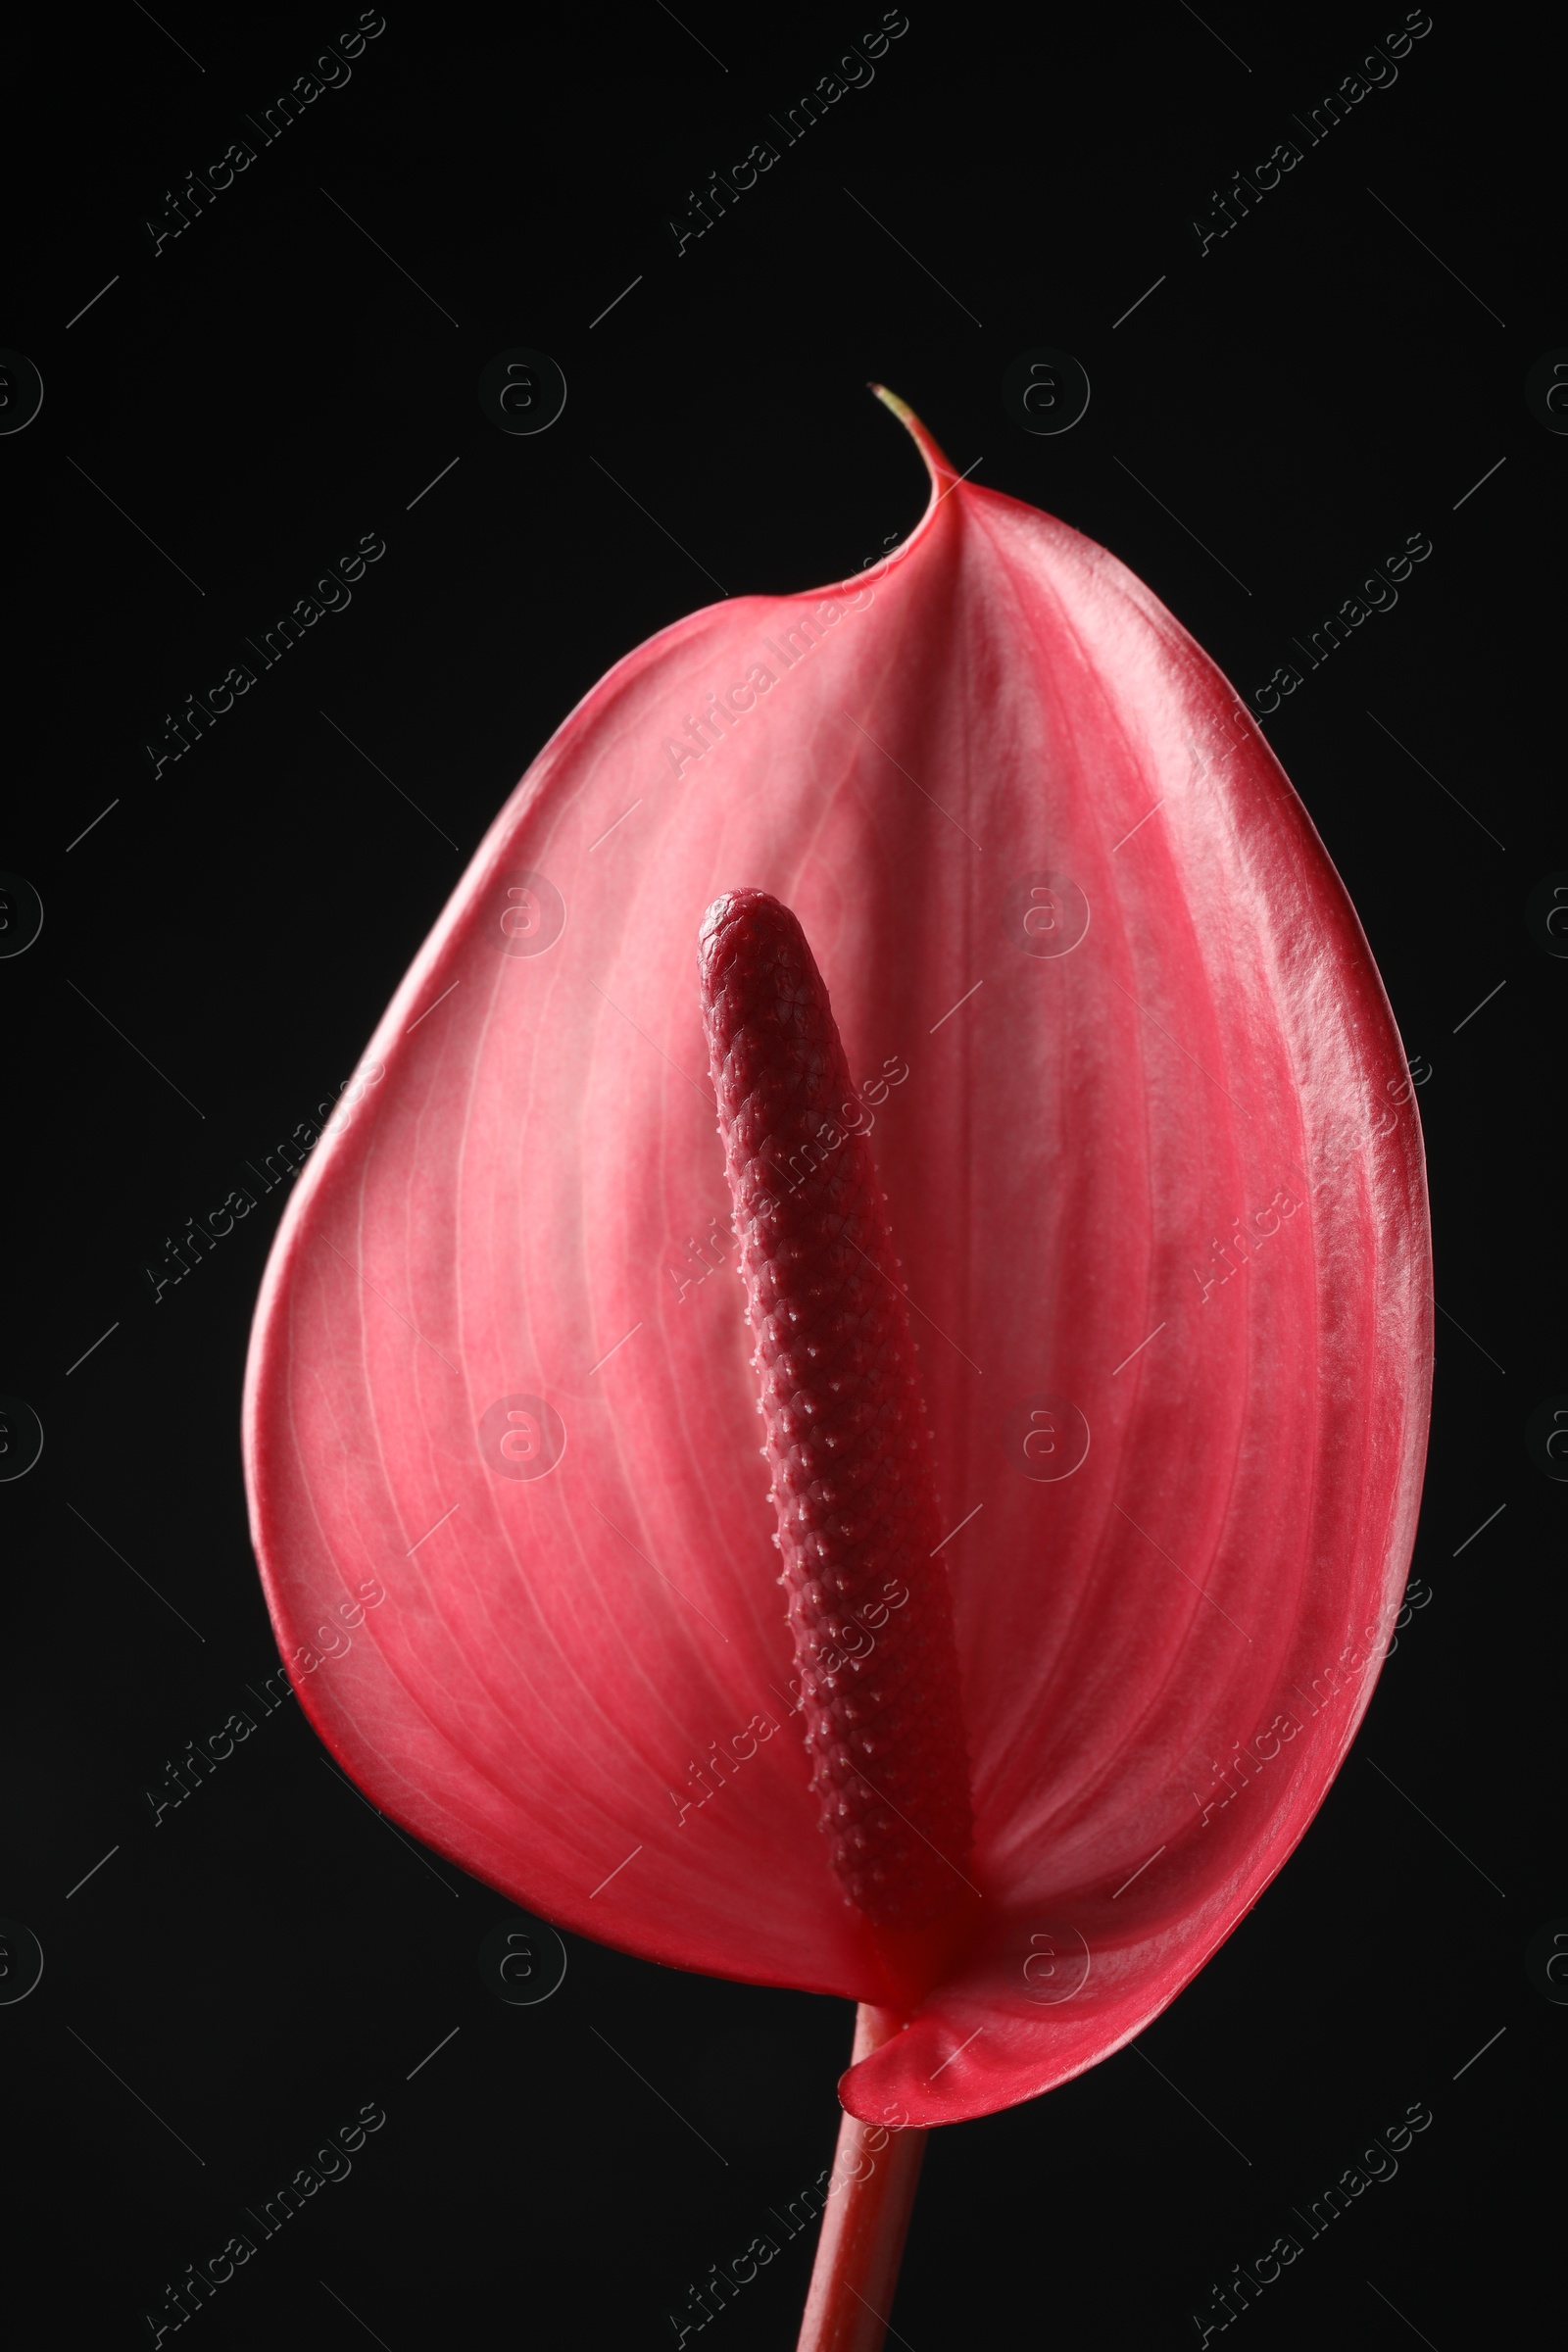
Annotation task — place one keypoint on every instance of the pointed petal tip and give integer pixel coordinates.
(943, 474)
(890, 400)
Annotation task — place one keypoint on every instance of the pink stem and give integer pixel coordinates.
(870, 2199)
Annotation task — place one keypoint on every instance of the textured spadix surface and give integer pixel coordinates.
(860, 1530)
(1154, 1177)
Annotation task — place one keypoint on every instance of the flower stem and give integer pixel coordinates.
(870, 2196)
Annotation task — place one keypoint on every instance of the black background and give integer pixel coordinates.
(230, 1986)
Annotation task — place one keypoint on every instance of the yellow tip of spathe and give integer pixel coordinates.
(901, 408)
(943, 474)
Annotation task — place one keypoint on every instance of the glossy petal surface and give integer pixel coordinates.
(1154, 1175)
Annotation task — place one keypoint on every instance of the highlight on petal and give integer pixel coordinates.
(1153, 1169)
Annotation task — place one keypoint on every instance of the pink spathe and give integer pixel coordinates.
(1044, 858)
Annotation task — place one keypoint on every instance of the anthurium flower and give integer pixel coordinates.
(1083, 1110)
